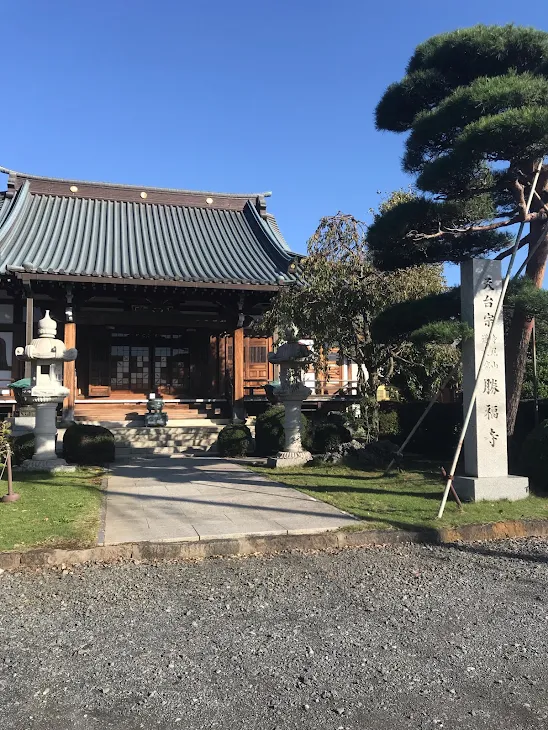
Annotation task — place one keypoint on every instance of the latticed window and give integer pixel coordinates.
(257, 354)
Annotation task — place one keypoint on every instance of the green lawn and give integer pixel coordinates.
(55, 510)
(402, 501)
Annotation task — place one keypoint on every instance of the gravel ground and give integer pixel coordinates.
(407, 637)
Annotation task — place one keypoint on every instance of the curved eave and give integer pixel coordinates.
(9, 215)
(274, 248)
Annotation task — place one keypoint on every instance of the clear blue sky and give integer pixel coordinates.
(238, 96)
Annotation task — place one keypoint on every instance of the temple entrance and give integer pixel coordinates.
(138, 362)
(150, 362)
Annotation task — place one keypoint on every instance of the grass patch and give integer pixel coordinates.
(399, 501)
(55, 510)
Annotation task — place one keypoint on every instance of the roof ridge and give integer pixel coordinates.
(29, 176)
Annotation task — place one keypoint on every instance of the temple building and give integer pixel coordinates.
(155, 287)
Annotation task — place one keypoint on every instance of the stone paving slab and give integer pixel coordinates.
(192, 498)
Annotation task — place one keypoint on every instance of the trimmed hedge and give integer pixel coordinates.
(234, 440)
(87, 444)
(22, 448)
(525, 423)
(534, 456)
(269, 431)
(437, 435)
(389, 423)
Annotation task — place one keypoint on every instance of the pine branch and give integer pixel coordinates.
(458, 232)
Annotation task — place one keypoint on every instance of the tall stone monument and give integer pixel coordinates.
(293, 357)
(46, 354)
(485, 446)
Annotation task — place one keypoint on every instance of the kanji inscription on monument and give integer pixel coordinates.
(485, 445)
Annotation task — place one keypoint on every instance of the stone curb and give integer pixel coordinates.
(103, 509)
(269, 545)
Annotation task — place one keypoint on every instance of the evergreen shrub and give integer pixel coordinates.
(234, 440)
(87, 444)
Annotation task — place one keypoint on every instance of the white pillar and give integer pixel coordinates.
(292, 427)
(45, 432)
(485, 446)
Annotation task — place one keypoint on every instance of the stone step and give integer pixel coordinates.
(171, 444)
(121, 453)
(169, 431)
(142, 443)
(163, 451)
(166, 441)
(178, 441)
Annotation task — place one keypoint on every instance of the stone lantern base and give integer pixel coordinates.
(50, 465)
(45, 433)
(287, 459)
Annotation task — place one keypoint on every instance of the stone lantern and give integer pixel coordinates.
(46, 355)
(293, 358)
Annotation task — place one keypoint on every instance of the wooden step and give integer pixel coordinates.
(108, 412)
(124, 416)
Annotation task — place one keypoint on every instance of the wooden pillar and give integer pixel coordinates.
(69, 374)
(29, 331)
(238, 377)
(321, 374)
(270, 366)
(222, 366)
(213, 365)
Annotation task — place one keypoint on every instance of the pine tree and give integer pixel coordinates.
(474, 103)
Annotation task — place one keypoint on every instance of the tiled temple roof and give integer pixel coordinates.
(120, 232)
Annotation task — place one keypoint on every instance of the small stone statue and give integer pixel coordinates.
(293, 358)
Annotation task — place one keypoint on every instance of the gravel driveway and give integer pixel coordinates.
(407, 637)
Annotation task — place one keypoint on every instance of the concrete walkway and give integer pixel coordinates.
(197, 498)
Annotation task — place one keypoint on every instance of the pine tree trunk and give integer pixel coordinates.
(519, 333)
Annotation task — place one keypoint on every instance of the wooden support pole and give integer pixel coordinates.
(69, 374)
(238, 355)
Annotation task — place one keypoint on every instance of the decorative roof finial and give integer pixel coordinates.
(47, 327)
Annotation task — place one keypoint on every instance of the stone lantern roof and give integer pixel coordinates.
(46, 346)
